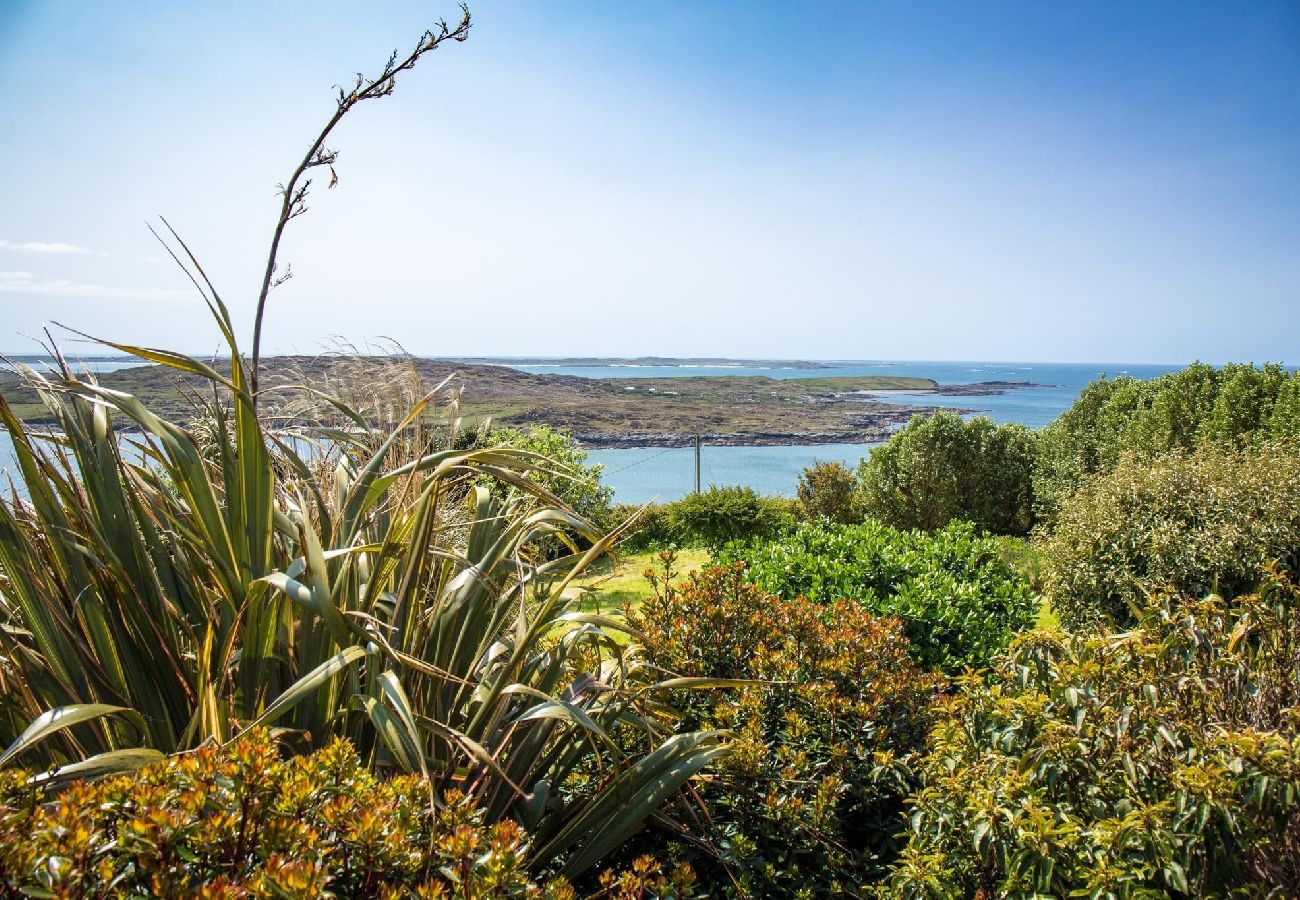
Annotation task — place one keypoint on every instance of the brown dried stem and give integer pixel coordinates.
(293, 193)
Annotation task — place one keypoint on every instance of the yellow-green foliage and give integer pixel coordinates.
(1191, 522)
(1231, 406)
(808, 803)
(243, 822)
(1164, 760)
(827, 490)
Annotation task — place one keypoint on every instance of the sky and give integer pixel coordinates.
(1039, 181)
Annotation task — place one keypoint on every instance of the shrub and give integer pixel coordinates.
(562, 470)
(651, 530)
(959, 601)
(807, 804)
(939, 468)
(720, 514)
(1189, 522)
(827, 490)
(1161, 761)
(1231, 406)
(241, 821)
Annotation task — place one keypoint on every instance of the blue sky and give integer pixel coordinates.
(1040, 181)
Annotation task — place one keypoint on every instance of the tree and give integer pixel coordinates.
(1232, 406)
(939, 468)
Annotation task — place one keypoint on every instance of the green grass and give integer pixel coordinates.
(621, 579)
(1046, 617)
(838, 383)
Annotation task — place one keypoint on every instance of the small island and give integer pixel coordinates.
(731, 410)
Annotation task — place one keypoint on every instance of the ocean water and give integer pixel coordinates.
(642, 474)
(77, 364)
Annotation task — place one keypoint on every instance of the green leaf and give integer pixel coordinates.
(107, 763)
(56, 720)
(304, 687)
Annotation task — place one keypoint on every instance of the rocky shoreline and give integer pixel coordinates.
(873, 426)
(603, 441)
(724, 410)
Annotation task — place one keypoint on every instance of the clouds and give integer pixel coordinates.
(27, 283)
(52, 248)
(16, 281)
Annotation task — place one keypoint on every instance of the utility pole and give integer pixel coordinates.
(697, 464)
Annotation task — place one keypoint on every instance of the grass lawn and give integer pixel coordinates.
(620, 579)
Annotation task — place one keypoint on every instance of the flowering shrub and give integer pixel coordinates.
(242, 822)
(959, 601)
(808, 802)
(1164, 760)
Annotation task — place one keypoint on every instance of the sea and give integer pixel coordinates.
(639, 475)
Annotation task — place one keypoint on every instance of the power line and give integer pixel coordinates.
(639, 461)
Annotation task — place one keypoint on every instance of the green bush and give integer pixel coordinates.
(241, 821)
(1164, 761)
(827, 490)
(707, 520)
(959, 601)
(1188, 522)
(651, 531)
(1231, 406)
(562, 466)
(939, 468)
(720, 514)
(807, 805)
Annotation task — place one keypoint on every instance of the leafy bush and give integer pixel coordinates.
(959, 601)
(651, 531)
(939, 468)
(1231, 406)
(827, 490)
(720, 514)
(808, 803)
(240, 821)
(1189, 522)
(1162, 761)
(562, 469)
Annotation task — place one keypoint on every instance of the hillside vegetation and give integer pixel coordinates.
(599, 412)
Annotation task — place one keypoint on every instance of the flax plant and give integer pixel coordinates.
(157, 597)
